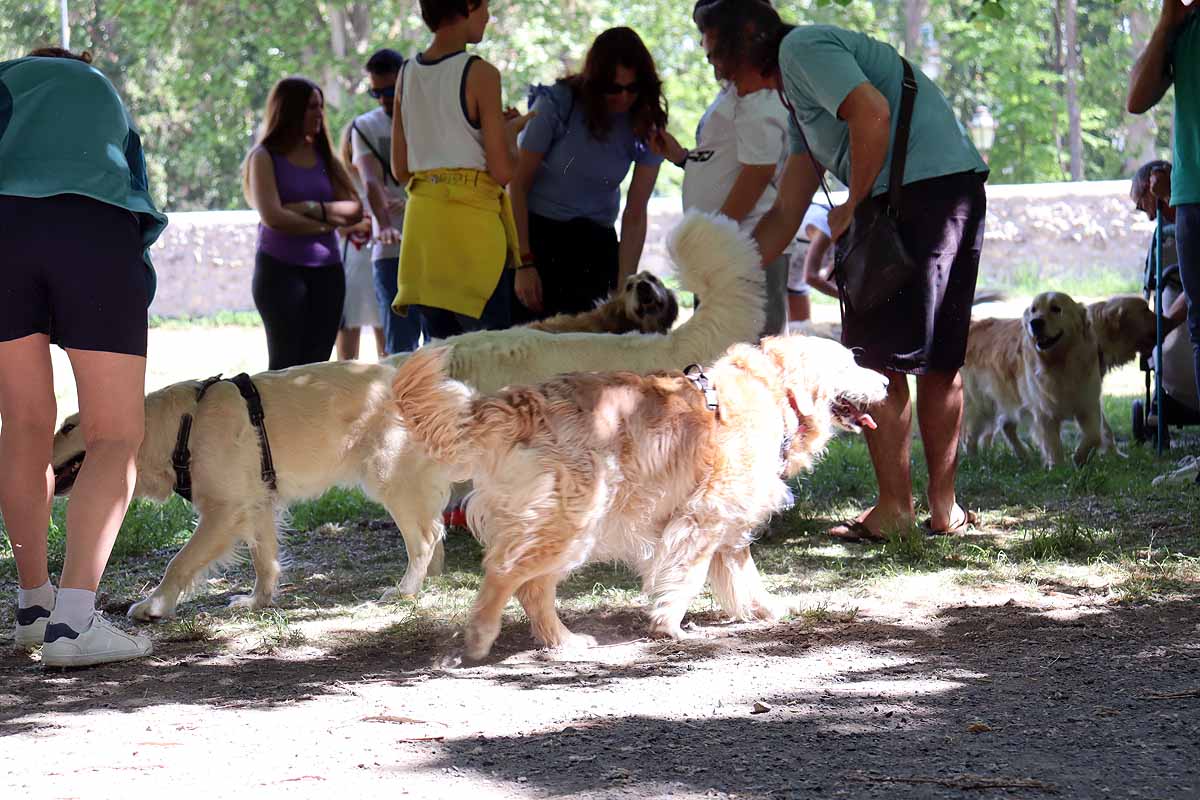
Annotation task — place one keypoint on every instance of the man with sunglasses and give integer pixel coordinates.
(372, 146)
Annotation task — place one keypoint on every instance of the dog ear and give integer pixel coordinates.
(671, 313)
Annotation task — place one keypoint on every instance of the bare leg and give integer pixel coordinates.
(380, 342)
(799, 307)
(939, 414)
(347, 344)
(28, 411)
(112, 412)
(890, 446)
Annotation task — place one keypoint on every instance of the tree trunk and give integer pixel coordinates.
(915, 12)
(1075, 125)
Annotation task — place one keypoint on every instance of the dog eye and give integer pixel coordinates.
(1056, 309)
(66, 428)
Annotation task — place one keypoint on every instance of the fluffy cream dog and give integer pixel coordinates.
(1043, 366)
(648, 470)
(334, 424)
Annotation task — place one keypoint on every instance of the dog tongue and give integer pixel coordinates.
(866, 421)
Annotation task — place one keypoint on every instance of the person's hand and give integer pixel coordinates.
(307, 208)
(513, 125)
(840, 218)
(664, 145)
(510, 114)
(388, 235)
(529, 288)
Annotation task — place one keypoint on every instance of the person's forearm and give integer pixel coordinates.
(377, 201)
(747, 189)
(520, 206)
(291, 222)
(633, 239)
(868, 151)
(777, 228)
(1148, 81)
(338, 213)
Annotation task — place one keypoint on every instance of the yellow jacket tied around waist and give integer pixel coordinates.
(459, 235)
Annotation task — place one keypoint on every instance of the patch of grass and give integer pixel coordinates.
(221, 319)
(1031, 278)
(334, 507)
(277, 631)
(1068, 541)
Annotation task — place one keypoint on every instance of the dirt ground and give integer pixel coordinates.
(920, 686)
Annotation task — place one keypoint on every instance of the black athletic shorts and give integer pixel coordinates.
(924, 327)
(73, 270)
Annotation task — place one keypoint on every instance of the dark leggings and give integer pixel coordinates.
(301, 308)
(1187, 241)
(577, 261)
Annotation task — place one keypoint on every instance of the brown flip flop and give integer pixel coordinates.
(854, 531)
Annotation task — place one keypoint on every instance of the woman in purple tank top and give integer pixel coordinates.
(302, 193)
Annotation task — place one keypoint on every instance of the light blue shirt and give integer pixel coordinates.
(822, 64)
(580, 176)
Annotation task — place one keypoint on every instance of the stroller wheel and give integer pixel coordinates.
(1140, 434)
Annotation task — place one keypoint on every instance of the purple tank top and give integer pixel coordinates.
(296, 184)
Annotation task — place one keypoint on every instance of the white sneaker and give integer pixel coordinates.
(101, 643)
(31, 627)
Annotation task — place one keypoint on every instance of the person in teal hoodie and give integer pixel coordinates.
(78, 222)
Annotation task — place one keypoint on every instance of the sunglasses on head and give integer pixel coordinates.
(378, 93)
(618, 88)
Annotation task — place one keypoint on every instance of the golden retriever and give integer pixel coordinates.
(643, 304)
(648, 470)
(1043, 366)
(1124, 327)
(335, 424)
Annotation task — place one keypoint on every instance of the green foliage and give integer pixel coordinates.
(333, 507)
(196, 75)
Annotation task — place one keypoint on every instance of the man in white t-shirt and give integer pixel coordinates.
(371, 140)
(812, 247)
(741, 146)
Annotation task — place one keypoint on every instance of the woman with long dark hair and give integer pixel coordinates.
(844, 93)
(587, 130)
(302, 193)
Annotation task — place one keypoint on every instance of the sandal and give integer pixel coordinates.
(968, 521)
(854, 531)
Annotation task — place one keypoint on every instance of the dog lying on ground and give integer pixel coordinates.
(649, 470)
(1044, 365)
(335, 424)
(643, 304)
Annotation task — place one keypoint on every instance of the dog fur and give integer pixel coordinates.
(1044, 366)
(643, 305)
(1125, 327)
(335, 424)
(621, 466)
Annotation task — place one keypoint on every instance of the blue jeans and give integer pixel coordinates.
(401, 334)
(1187, 241)
(497, 313)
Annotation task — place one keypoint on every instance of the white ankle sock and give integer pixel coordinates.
(40, 596)
(75, 607)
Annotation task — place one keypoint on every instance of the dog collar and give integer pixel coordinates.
(695, 374)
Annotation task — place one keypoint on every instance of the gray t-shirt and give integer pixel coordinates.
(822, 64)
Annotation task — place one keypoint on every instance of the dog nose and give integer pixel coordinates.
(1037, 325)
(644, 292)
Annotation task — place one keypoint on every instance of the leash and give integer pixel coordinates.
(181, 456)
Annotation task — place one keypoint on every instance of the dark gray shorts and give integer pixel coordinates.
(924, 328)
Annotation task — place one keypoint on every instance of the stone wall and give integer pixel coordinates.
(1048, 231)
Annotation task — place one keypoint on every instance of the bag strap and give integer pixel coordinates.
(386, 163)
(908, 96)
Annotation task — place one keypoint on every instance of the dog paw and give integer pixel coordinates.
(572, 643)
(250, 601)
(478, 640)
(152, 609)
(396, 594)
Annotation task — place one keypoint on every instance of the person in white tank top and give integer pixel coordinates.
(454, 146)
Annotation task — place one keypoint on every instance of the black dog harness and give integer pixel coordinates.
(181, 457)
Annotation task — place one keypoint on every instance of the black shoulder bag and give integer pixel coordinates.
(871, 264)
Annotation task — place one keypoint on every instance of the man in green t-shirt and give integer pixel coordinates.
(1171, 57)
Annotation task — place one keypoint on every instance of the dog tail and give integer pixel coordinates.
(436, 409)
